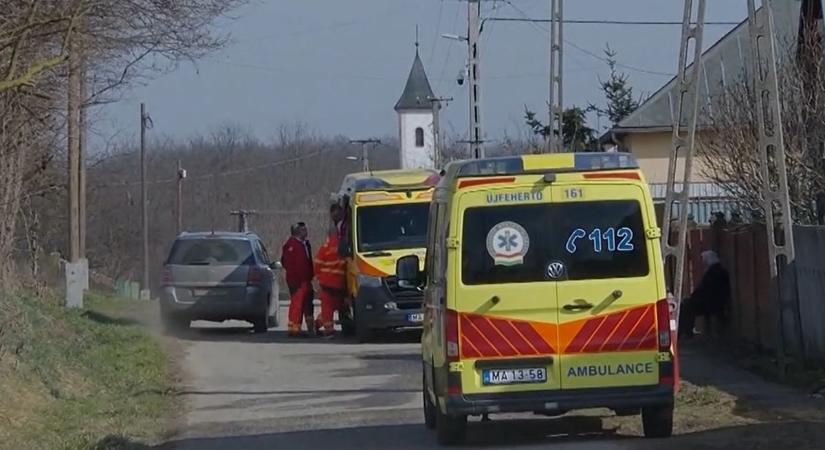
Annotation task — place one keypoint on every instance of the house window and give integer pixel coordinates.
(419, 137)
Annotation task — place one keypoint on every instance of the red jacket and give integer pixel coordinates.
(296, 257)
(331, 268)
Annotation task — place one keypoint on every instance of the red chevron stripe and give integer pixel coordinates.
(639, 332)
(584, 335)
(493, 336)
(468, 350)
(649, 342)
(623, 331)
(534, 338)
(600, 337)
(506, 329)
(472, 334)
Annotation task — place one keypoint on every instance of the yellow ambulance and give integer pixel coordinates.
(544, 292)
(386, 218)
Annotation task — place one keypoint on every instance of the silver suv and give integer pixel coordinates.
(219, 276)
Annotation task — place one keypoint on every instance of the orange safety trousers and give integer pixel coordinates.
(331, 301)
(300, 308)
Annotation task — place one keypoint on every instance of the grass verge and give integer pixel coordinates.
(80, 379)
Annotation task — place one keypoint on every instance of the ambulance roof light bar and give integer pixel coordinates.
(515, 165)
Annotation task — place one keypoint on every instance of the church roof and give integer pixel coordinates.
(417, 92)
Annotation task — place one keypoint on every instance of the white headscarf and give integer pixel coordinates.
(710, 258)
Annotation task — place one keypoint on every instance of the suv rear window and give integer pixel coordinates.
(215, 252)
(593, 240)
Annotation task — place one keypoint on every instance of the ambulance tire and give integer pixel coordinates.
(657, 421)
(450, 430)
(429, 408)
(363, 333)
(347, 324)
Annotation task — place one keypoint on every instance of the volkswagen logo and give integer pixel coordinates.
(556, 270)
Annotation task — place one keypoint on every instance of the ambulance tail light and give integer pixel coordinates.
(167, 276)
(667, 369)
(451, 335)
(663, 325)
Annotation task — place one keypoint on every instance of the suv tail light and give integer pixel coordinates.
(255, 276)
(167, 276)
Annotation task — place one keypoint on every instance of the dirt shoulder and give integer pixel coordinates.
(75, 379)
(723, 406)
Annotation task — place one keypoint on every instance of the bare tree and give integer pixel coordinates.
(118, 41)
(729, 145)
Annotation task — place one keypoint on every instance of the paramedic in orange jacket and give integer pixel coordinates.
(330, 269)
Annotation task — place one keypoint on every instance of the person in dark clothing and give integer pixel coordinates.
(711, 297)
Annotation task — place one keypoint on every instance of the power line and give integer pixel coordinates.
(437, 34)
(604, 21)
(224, 173)
(536, 25)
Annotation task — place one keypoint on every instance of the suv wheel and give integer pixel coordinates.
(273, 319)
(261, 324)
(657, 421)
(450, 430)
(429, 408)
(173, 324)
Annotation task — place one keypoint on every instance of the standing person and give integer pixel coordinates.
(710, 298)
(331, 271)
(296, 258)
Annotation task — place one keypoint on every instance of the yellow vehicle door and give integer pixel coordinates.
(506, 308)
(607, 286)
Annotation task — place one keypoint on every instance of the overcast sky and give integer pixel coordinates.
(339, 66)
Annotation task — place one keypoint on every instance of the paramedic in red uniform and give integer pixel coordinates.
(331, 271)
(297, 261)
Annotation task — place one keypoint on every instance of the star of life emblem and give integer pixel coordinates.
(508, 243)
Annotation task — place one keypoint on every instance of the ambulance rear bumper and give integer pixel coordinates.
(559, 402)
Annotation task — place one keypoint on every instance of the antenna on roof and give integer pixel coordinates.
(416, 37)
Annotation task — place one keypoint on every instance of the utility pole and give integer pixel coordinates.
(555, 137)
(365, 156)
(474, 62)
(243, 221)
(775, 196)
(145, 122)
(181, 175)
(74, 271)
(82, 152)
(437, 150)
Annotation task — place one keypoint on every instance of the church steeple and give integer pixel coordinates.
(418, 91)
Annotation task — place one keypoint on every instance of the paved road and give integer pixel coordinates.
(247, 391)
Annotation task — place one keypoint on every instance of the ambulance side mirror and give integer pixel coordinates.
(407, 273)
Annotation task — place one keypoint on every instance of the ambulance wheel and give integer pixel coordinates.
(429, 408)
(657, 421)
(347, 324)
(450, 430)
(363, 333)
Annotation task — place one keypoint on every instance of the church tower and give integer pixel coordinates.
(415, 119)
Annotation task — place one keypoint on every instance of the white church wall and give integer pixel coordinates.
(413, 157)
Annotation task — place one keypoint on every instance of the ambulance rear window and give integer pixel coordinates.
(531, 243)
